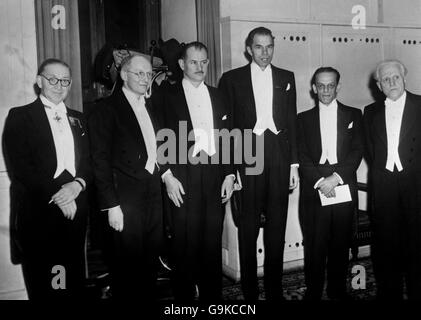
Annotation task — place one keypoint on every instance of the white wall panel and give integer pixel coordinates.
(341, 11)
(266, 10)
(355, 54)
(407, 48)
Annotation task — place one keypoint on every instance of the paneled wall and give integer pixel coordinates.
(18, 63)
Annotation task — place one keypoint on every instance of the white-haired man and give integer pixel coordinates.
(393, 136)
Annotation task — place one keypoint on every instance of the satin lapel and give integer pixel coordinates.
(40, 120)
(276, 104)
(379, 123)
(248, 94)
(315, 135)
(77, 131)
(409, 117)
(149, 106)
(216, 111)
(343, 122)
(182, 108)
(128, 118)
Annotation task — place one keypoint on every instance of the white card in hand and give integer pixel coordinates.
(342, 195)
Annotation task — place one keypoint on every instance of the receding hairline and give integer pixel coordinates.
(128, 61)
(51, 62)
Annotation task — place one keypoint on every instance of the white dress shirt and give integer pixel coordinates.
(394, 113)
(263, 97)
(201, 114)
(62, 136)
(328, 115)
(138, 105)
(328, 131)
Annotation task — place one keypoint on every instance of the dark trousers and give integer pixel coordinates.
(264, 194)
(327, 235)
(396, 224)
(136, 249)
(53, 263)
(196, 243)
(52, 246)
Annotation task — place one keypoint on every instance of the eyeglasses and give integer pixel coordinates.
(322, 87)
(53, 81)
(197, 63)
(142, 75)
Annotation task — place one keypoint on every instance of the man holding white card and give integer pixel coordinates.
(330, 145)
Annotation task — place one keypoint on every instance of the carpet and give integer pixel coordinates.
(294, 285)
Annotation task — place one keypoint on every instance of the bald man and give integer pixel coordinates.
(123, 146)
(393, 136)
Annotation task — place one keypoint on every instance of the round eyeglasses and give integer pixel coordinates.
(142, 75)
(53, 81)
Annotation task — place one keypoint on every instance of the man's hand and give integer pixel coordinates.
(227, 188)
(115, 218)
(327, 185)
(68, 193)
(174, 189)
(69, 210)
(293, 178)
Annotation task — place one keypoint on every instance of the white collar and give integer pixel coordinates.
(331, 106)
(131, 96)
(57, 107)
(400, 101)
(189, 86)
(255, 68)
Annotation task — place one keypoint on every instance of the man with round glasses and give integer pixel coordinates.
(47, 154)
(123, 146)
(330, 149)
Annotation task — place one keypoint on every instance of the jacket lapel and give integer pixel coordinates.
(128, 118)
(43, 128)
(248, 93)
(315, 135)
(149, 106)
(379, 123)
(182, 108)
(216, 111)
(409, 117)
(342, 126)
(276, 103)
(77, 130)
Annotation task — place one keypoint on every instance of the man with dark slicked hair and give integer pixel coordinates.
(262, 98)
(330, 148)
(197, 192)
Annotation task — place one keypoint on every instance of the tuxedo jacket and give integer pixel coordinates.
(349, 147)
(409, 137)
(175, 110)
(31, 162)
(238, 90)
(117, 145)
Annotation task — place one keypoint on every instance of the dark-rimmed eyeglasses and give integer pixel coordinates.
(53, 81)
(142, 75)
